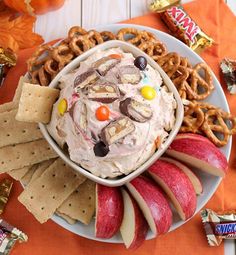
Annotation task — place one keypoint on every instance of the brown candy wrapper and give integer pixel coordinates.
(8, 237)
(7, 59)
(218, 226)
(228, 69)
(162, 5)
(185, 29)
(5, 189)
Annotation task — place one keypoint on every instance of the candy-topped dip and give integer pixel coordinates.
(113, 113)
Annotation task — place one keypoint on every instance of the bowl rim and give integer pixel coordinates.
(157, 154)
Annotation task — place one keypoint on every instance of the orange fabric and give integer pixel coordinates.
(219, 22)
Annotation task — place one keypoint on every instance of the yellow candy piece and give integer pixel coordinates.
(148, 92)
(62, 106)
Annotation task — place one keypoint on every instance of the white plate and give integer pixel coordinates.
(210, 183)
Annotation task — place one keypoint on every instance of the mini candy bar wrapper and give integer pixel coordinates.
(228, 69)
(8, 237)
(185, 29)
(219, 226)
(162, 5)
(7, 59)
(5, 189)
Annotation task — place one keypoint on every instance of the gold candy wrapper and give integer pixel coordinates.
(9, 235)
(218, 226)
(185, 29)
(162, 5)
(5, 189)
(7, 59)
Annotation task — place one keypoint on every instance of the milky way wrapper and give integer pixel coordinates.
(9, 235)
(228, 69)
(7, 59)
(185, 29)
(219, 226)
(5, 189)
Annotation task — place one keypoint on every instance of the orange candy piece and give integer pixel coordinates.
(116, 56)
(102, 113)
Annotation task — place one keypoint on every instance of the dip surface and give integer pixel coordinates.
(135, 97)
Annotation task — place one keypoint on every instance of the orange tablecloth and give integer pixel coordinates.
(50, 239)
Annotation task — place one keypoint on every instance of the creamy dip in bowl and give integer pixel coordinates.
(116, 113)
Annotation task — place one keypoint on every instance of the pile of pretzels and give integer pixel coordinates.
(194, 83)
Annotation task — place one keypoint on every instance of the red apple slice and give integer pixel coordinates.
(109, 211)
(152, 203)
(198, 151)
(177, 186)
(192, 136)
(134, 227)
(192, 177)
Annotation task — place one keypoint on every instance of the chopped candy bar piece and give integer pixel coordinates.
(116, 130)
(135, 110)
(130, 74)
(88, 77)
(102, 91)
(103, 65)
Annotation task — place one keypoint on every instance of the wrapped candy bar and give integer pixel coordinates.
(162, 5)
(183, 27)
(5, 189)
(228, 69)
(9, 235)
(218, 226)
(7, 59)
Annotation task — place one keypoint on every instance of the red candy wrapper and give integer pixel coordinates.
(185, 29)
(218, 226)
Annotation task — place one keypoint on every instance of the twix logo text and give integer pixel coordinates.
(181, 18)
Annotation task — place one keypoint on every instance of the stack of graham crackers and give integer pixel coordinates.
(51, 186)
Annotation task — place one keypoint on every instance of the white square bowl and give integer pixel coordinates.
(120, 180)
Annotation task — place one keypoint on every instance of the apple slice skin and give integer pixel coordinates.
(141, 225)
(199, 147)
(156, 202)
(173, 180)
(109, 211)
(193, 136)
(192, 176)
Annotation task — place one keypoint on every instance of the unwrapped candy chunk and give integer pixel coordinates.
(228, 68)
(116, 130)
(102, 91)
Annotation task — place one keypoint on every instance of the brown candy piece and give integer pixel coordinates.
(117, 130)
(103, 65)
(129, 74)
(102, 91)
(135, 110)
(86, 78)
